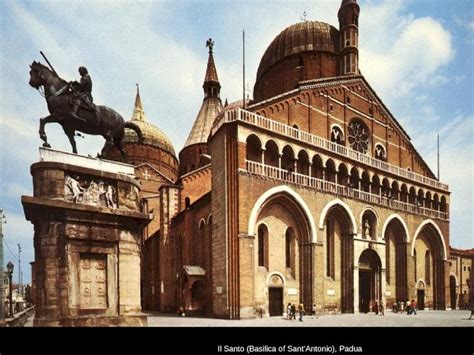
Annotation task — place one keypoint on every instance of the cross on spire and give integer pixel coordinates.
(210, 44)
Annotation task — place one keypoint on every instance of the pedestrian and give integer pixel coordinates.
(314, 310)
(288, 311)
(413, 307)
(376, 307)
(301, 311)
(382, 308)
(293, 311)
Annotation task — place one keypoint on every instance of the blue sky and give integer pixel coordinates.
(417, 55)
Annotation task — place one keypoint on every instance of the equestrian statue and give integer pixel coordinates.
(71, 105)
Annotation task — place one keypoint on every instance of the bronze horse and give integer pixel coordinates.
(57, 94)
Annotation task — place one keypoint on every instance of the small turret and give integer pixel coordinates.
(349, 37)
(190, 157)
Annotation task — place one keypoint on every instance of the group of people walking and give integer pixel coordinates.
(410, 307)
(291, 311)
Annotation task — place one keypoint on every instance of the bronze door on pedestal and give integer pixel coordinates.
(275, 301)
(93, 281)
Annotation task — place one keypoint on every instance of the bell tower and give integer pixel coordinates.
(348, 37)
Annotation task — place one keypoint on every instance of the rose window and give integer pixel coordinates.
(358, 137)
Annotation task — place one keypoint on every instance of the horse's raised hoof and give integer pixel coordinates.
(46, 145)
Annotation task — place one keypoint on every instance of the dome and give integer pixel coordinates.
(301, 37)
(152, 135)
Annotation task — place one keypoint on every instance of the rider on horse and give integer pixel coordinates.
(82, 94)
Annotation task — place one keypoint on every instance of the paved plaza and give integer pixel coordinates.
(422, 319)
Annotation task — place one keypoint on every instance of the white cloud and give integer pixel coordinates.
(420, 49)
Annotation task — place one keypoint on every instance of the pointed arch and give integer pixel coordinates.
(295, 196)
(333, 203)
(429, 222)
(400, 219)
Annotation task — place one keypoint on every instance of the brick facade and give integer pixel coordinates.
(289, 209)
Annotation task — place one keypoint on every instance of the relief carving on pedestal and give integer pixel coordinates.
(88, 191)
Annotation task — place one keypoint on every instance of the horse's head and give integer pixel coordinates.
(38, 74)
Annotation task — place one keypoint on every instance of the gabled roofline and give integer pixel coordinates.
(204, 167)
(344, 80)
(157, 171)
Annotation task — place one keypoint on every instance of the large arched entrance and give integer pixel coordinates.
(452, 291)
(395, 236)
(283, 246)
(430, 251)
(339, 253)
(370, 286)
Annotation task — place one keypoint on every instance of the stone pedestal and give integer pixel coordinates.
(88, 229)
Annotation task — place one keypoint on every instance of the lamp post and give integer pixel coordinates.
(2, 276)
(10, 275)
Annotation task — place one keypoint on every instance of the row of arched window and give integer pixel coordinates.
(301, 163)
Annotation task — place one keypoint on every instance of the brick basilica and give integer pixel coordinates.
(310, 193)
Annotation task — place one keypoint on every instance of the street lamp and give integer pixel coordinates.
(2, 281)
(10, 275)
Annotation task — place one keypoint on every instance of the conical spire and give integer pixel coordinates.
(138, 113)
(211, 81)
(211, 104)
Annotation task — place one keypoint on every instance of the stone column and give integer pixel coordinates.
(247, 275)
(411, 282)
(383, 281)
(88, 230)
(356, 289)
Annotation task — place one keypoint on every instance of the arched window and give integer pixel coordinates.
(317, 167)
(336, 135)
(343, 175)
(329, 248)
(330, 171)
(358, 136)
(262, 246)
(199, 246)
(427, 267)
(303, 163)
(288, 247)
(354, 178)
(288, 159)
(254, 148)
(380, 152)
(443, 204)
(271, 154)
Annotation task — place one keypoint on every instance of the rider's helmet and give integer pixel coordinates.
(83, 70)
